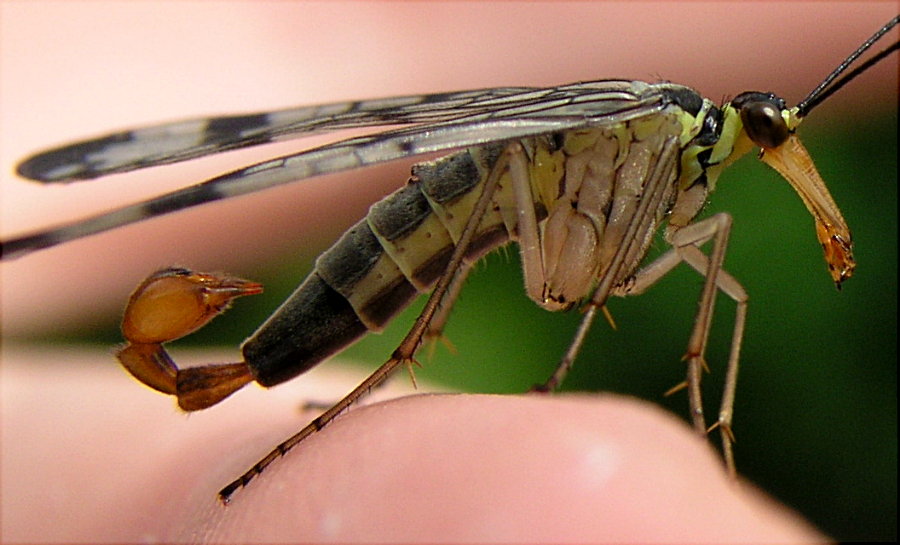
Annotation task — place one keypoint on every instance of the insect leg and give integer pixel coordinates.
(686, 242)
(526, 234)
(527, 230)
(438, 322)
(405, 352)
(731, 287)
(716, 227)
(661, 174)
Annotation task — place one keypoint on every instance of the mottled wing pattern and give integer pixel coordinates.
(438, 122)
(179, 141)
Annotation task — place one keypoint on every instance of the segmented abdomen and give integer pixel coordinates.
(381, 264)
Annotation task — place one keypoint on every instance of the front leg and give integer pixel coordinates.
(686, 242)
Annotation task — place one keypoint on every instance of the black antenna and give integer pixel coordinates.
(822, 92)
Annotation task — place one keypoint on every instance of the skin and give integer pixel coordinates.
(588, 468)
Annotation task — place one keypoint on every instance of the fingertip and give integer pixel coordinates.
(511, 468)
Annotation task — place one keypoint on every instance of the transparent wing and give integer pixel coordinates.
(510, 117)
(180, 141)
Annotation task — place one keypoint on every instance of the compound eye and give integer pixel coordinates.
(764, 124)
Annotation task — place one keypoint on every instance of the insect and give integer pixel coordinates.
(580, 176)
